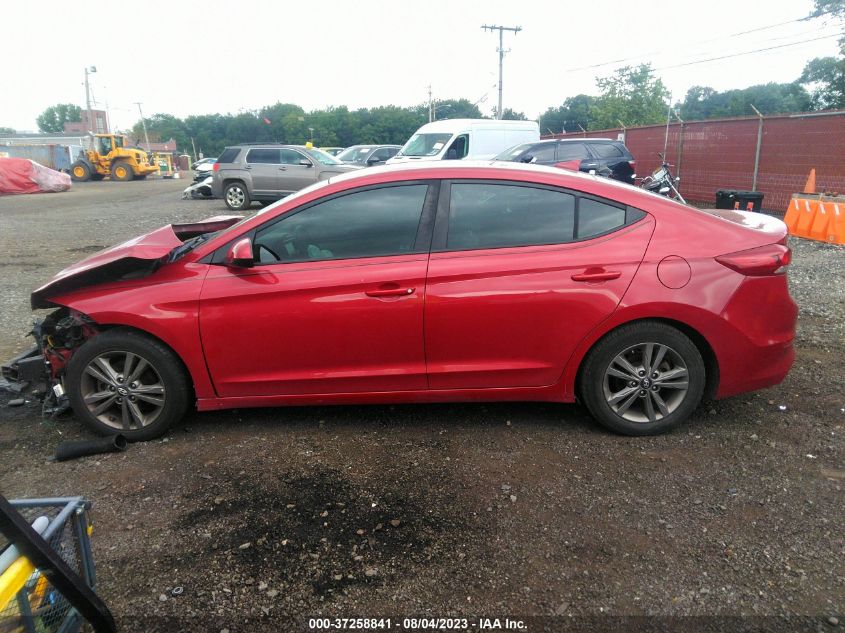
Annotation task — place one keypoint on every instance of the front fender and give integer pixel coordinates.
(166, 308)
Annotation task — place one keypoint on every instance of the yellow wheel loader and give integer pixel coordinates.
(110, 157)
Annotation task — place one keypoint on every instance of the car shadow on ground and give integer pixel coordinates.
(409, 416)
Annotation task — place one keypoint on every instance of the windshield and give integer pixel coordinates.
(118, 141)
(514, 152)
(424, 145)
(355, 154)
(322, 157)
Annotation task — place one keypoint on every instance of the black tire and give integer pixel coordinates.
(628, 401)
(163, 374)
(80, 171)
(236, 196)
(122, 171)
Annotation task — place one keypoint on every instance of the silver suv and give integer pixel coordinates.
(268, 171)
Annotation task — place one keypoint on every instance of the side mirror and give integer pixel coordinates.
(373, 160)
(239, 254)
(305, 163)
(527, 158)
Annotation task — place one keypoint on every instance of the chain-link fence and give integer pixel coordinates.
(29, 600)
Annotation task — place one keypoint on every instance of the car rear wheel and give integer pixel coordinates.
(236, 196)
(124, 382)
(643, 379)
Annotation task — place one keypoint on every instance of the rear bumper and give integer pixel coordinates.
(759, 351)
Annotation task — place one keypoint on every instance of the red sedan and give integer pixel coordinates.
(429, 283)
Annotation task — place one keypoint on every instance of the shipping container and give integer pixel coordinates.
(58, 157)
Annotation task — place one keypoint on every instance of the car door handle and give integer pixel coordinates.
(283, 168)
(390, 292)
(247, 166)
(599, 275)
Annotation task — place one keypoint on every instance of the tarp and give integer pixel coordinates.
(19, 175)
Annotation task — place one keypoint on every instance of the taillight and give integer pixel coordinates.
(215, 167)
(756, 262)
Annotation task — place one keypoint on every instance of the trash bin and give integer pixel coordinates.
(742, 200)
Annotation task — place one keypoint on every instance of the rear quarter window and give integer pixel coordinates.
(229, 155)
(606, 150)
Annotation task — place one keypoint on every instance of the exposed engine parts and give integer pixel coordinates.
(41, 369)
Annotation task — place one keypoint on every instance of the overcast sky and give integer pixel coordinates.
(213, 56)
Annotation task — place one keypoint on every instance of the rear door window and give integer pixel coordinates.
(543, 152)
(270, 156)
(501, 215)
(572, 151)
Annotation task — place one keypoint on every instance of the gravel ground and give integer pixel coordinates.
(265, 517)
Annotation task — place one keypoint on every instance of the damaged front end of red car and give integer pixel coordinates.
(39, 371)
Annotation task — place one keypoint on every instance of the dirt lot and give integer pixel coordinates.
(266, 517)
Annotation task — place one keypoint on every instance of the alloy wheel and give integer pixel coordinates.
(646, 382)
(235, 196)
(123, 390)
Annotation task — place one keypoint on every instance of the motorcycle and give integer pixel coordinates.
(663, 182)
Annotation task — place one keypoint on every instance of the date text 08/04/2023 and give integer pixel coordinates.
(417, 624)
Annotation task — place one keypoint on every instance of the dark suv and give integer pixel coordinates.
(266, 172)
(603, 156)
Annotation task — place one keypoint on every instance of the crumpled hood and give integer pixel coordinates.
(134, 258)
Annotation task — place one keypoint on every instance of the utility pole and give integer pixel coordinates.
(430, 106)
(89, 69)
(144, 125)
(502, 51)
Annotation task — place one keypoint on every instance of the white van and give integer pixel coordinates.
(472, 139)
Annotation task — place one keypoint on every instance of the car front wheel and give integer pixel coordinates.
(643, 379)
(122, 381)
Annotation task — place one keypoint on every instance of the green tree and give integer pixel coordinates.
(573, 115)
(633, 96)
(771, 98)
(511, 115)
(6, 130)
(53, 119)
(826, 75)
(826, 78)
(162, 127)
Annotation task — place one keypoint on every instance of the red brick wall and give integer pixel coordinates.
(712, 155)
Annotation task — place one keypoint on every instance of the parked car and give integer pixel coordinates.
(600, 155)
(333, 151)
(465, 139)
(203, 161)
(439, 282)
(367, 155)
(267, 172)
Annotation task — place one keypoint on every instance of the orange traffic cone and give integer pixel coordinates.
(810, 187)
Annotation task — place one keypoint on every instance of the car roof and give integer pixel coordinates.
(590, 139)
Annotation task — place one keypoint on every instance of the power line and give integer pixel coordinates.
(758, 50)
(707, 41)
